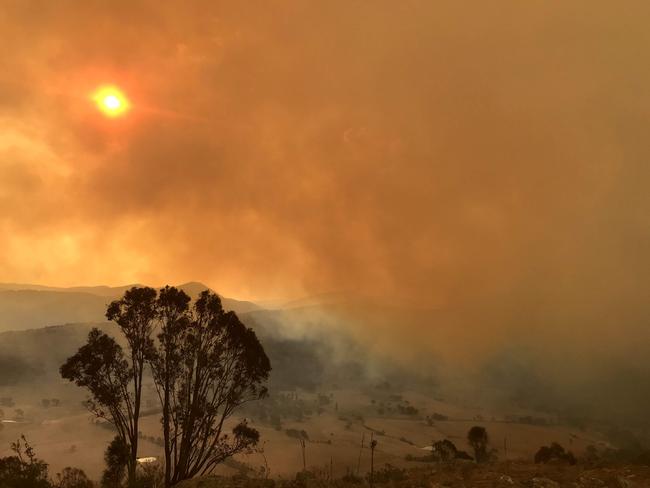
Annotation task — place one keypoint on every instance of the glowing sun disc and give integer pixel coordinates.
(111, 101)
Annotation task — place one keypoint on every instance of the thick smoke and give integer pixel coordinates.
(483, 163)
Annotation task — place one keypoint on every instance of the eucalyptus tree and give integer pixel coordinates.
(206, 364)
(114, 378)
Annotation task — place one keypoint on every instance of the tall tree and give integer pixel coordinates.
(173, 318)
(218, 365)
(113, 378)
(135, 314)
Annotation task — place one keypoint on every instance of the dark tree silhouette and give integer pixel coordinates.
(116, 458)
(101, 368)
(445, 450)
(554, 452)
(113, 379)
(134, 314)
(173, 318)
(478, 439)
(73, 478)
(24, 469)
(206, 364)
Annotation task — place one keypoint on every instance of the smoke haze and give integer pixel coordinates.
(483, 165)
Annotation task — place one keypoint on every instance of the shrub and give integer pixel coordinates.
(445, 450)
(407, 410)
(554, 453)
(73, 478)
(297, 434)
(388, 474)
(478, 439)
(24, 469)
(116, 458)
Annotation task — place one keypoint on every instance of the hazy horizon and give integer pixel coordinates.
(445, 192)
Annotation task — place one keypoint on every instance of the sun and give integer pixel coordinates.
(111, 101)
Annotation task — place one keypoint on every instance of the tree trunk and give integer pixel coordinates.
(168, 457)
(131, 468)
(136, 417)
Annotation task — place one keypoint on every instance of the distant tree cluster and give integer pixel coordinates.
(205, 364)
(7, 402)
(278, 407)
(50, 402)
(297, 434)
(435, 417)
(527, 419)
(16, 369)
(407, 409)
(401, 407)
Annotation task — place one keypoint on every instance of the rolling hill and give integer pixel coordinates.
(24, 306)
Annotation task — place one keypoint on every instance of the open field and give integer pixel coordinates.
(461, 475)
(65, 435)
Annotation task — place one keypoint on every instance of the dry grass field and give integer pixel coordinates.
(66, 435)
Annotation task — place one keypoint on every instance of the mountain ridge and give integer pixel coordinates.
(29, 306)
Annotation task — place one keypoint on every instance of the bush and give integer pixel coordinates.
(554, 453)
(73, 478)
(388, 473)
(445, 450)
(297, 434)
(436, 417)
(23, 470)
(116, 458)
(627, 455)
(351, 478)
(407, 410)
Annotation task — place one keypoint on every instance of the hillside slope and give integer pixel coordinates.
(25, 306)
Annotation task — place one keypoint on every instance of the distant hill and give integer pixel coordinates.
(33, 343)
(25, 306)
(104, 291)
(28, 309)
(306, 339)
(35, 355)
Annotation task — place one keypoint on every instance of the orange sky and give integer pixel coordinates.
(443, 152)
